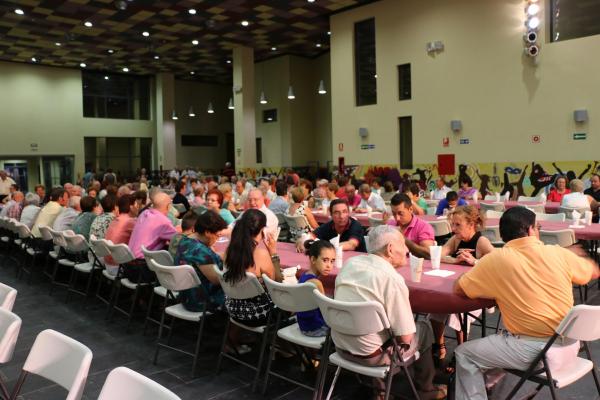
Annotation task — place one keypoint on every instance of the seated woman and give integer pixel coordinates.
(245, 254)
(559, 189)
(419, 204)
(307, 187)
(297, 208)
(330, 194)
(214, 201)
(321, 254)
(195, 249)
(466, 191)
(466, 246)
(389, 191)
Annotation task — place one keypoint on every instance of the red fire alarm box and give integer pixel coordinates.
(446, 164)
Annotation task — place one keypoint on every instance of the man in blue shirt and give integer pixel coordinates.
(280, 204)
(450, 203)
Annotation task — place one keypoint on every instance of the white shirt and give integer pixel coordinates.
(272, 221)
(440, 194)
(64, 220)
(375, 201)
(29, 214)
(6, 207)
(174, 174)
(5, 185)
(372, 278)
(575, 200)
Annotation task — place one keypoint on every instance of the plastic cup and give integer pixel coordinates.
(435, 253)
(416, 268)
(588, 217)
(339, 257)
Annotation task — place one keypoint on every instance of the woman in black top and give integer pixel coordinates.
(467, 244)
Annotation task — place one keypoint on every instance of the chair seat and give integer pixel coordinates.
(5, 239)
(178, 311)
(257, 329)
(66, 262)
(108, 275)
(570, 372)
(162, 291)
(84, 267)
(18, 241)
(293, 334)
(33, 252)
(53, 254)
(130, 285)
(374, 372)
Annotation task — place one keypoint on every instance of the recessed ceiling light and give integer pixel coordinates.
(245, 23)
(192, 11)
(192, 73)
(318, 45)
(228, 61)
(311, 1)
(106, 77)
(88, 24)
(195, 42)
(33, 59)
(57, 44)
(19, 11)
(82, 65)
(156, 57)
(145, 34)
(125, 69)
(329, 33)
(273, 48)
(110, 51)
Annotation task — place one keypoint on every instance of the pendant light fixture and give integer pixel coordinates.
(322, 87)
(210, 109)
(191, 113)
(174, 115)
(263, 99)
(230, 106)
(291, 95)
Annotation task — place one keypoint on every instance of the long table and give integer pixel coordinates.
(550, 207)
(432, 295)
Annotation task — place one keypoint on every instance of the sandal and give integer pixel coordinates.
(438, 351)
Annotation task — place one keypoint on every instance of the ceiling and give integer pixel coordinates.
(53, 32)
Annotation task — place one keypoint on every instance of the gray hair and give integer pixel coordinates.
(32, 199)
(576, 185)
(74, 202)
(380, 236)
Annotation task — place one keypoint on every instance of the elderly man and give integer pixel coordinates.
(240, 194)
(265, 187)
(351, 196)
(256, 200)
(440, 191)
(577, 199)
(64, 220)
(594, 190)
(40, 190)
(369, 200)
(532, 285)
(30, 210)
(418, 233)
(59, 198)
(14, 206)
(373, 277)
(5, 184)
(281, 204)
(153, 229)
(349, 229)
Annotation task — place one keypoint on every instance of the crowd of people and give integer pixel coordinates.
(190, 213)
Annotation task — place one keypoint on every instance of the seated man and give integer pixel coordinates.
(373, 277)
(349, 229)
(351, 196)
(532, 285)
(441, 190)
(369, 199)
(179, 197)
(65, 219)
(449, 203)
(31, 208)
(14, 206)
(576, 199)
(59, 198)
(281, 204)
(418, 233)
(256, 200)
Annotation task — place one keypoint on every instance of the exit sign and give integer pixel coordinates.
(579, 136)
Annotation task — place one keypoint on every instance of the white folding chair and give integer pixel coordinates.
(431, 210)
(293, 298)
(284, 233)
(560, 217)
(60, 359)
(563, 237)
(10, 325)
(175, 279)
(493, 214)
(441, 227)
(180, 209)
(373, 222)
(527, 198)
(536, 208)
(360, 319)
(64, 257)
(162, 257)
(582, 323)
(124, 383)
(297, 224)
(248, 288)
(490, 197)
(494, 206)
(8, 295)
(101, 250)
(493, 235)
(568, 211)
(85, 263)
(30, 247)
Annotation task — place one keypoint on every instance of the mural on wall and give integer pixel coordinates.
(518, 179)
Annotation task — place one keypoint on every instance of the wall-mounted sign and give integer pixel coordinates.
(341, 147)
(367, 146)
(580, 136)
(464, 141)
(536, 139)
(33, 147)
(446, 141)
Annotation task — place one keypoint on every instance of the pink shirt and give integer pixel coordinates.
(119, 231)
(417, 230)
(354, 202)
(152, 230)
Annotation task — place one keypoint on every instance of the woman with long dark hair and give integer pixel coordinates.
(245, 254)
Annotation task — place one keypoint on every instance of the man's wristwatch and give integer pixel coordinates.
(275, 257)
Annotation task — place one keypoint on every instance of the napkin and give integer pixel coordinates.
(497, 197)
(542, 197)
(289, 274)
(442, 273)
(335, 241)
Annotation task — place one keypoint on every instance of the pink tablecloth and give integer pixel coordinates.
(363, 218)
(586, 232)
(431, 295)
(550, 207)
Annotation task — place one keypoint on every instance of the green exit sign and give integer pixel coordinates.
(579, 136)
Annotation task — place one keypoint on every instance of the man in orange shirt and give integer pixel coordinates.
(532, 285)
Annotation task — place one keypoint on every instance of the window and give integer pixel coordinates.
(365, 68)
(404, 84)
(199, 140)
(119, 96)
(574, 19)
(270, 115)
(406, 152)
(259, 150)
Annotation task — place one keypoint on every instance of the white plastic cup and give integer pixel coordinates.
(588, 217)
(435, 253)
(339, 257)
(416, 268)
(497, 197)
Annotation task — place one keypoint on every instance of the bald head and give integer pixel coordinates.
(18, 196)
(162, 201)
(256, 199)
(75, 202)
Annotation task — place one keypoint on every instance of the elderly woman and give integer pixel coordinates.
(576, 199)
(214, 202)
(466, 246)
(307, 187)
(466, 191)
(297, 208)
(228, 202)
(559, 190)
(30, 210)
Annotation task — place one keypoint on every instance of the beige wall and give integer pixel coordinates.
(480, 78)
(220, 123)
(45, 106)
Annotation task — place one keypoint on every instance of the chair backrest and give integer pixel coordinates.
(175, 277)
(58, 237)
(367, 243)
(100, 247)
(45, 232)
(281, 218)
(10, 325)
(582, 322)
(432, 203)
(8, 295)
(76, 244)
(431, 210)
(493, 206)
(246, 289)
(180, 208)
(441, 227)
(493, 214)
(527, 198)
(373, 222)
(124, 383)
(352, 318)
(536, 208)
(23, 230)
(161, 257)
(492, 233)
(296, 221)
(292, 298)
(568, 211)
(563, 237)
(489, 197)
(60, 359)
(120, 253)
(560, 217)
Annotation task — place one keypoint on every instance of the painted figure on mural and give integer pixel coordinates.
(484, 187)
(539, 178)
(423, 177)
(515, 188)
(571, 174)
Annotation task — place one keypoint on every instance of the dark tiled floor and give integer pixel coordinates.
(113, 347)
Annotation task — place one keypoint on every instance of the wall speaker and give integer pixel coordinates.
(363, 132)
(456, 125)
(580, 115)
